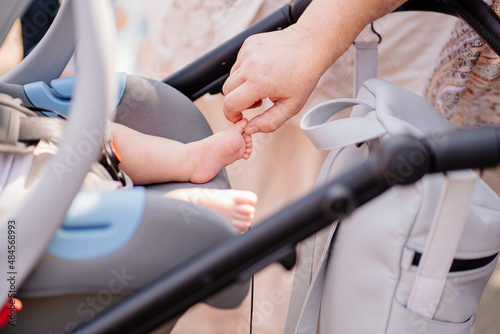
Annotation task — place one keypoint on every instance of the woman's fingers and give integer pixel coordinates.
(239, 99)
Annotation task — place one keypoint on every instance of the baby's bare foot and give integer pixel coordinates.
(219, 150)
(237, 206)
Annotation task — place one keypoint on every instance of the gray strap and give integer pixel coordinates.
(309, 314)
(442, 242)
(19, 125)
(342, 132)
(301, 288)
(366, 63)
(301, 281)
(9, 127)
(36, 128)
(15, 130)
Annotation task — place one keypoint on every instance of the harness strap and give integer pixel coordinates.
(19, 126)
(37, 128)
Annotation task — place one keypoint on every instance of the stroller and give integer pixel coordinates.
(190, 278)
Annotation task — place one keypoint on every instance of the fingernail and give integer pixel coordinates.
(251, 130)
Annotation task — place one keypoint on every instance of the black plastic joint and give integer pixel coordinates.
(403, 160)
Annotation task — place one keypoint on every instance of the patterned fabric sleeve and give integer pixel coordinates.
(465, 83)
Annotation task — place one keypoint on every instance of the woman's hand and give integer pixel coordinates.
(284, 66)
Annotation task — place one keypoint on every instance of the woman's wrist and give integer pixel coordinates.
(334, 24)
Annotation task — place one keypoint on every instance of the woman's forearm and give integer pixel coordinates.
(335, 24)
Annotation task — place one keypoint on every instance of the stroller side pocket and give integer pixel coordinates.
(456, 309)
(403, 321)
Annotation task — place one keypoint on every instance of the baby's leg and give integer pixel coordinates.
(237, 206)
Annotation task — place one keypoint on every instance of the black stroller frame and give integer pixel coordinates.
(275, 239)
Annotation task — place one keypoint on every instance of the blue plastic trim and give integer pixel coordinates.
(40, 95)
(99, 224)
(58, 97)
(63, 87)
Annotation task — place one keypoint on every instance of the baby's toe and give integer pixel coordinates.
(248, 152)
(241, 224)
(244, 209)
(245, 197)
(242, 216)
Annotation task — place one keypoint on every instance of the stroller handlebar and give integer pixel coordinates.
(476, 13)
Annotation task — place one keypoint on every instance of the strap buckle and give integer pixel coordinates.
(110, 159)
